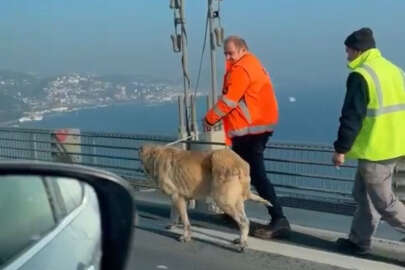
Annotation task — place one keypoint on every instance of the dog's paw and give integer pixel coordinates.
(174, 226)
(236, 241)
(240, 245)
(170, 226)
(184, 239)
(241, 249)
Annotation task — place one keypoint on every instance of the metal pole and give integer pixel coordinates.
(212, 52)
(194, 117)
(184, 60)
(181, 117)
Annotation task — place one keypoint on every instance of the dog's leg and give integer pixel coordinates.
(243, 224)
(181, 206)
(237, 212)
(174, 217)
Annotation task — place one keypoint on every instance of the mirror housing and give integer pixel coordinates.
(115, 201)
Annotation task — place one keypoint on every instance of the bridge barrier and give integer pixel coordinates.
(302, 173)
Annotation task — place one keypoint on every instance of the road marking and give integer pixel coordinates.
(148, 190)
(162, 267)
(291, 250)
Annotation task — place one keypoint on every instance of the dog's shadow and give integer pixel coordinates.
(162, 211)
(224, 244)
(226, 224)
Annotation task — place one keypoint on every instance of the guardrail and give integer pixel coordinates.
(302, 173)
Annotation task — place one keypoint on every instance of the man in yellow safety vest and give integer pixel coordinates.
(372, 130)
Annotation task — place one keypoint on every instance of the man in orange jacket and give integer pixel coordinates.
(249, 111)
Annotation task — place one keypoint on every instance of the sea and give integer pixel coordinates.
(305, 117)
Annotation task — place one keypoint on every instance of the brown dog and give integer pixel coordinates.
(186, 175)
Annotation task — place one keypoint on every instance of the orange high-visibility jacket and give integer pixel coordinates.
(248, 104)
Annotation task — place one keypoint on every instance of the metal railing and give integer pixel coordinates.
(302, 173)
(305, 177)
(115, 152)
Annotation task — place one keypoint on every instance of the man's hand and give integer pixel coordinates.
(338, 159)
(206, 126)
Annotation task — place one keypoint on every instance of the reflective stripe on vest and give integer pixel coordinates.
(251, 130)
(384, 110)
(381, 110)
(377, 84)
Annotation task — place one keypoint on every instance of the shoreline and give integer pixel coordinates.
(40, 115)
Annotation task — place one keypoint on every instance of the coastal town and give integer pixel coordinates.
(31, 97)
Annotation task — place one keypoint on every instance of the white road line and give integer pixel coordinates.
(290, 250)
(148, 190)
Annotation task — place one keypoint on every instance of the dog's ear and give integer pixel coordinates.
(145, 151)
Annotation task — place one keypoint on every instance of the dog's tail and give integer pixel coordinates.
(259, 199)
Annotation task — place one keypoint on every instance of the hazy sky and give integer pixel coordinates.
(300, 42)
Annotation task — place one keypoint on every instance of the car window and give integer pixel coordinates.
(26, 214)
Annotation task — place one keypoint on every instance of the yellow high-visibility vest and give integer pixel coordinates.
(382, 135)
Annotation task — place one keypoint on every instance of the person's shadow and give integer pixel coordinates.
(225, 223)
(310, 241)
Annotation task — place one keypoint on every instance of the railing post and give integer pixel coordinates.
(34, 146)
(94, 151)
(66, 142)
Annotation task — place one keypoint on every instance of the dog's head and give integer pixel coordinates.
(147, 154)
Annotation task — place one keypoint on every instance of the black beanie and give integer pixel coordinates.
(361, 40)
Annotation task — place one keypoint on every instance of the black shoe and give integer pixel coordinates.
(347, 246)
(279, 228)
(254, 226)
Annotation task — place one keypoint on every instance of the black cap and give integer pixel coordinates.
(361, 40)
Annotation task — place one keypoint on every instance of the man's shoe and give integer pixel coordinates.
(254, 226)
(347, 246)
(279, 228)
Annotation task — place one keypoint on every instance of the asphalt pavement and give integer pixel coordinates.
(311, 245)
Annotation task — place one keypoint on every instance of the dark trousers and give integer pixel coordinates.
(251, 148)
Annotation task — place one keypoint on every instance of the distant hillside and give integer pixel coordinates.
(127, 78)
(8, 74)
(10, 108)
(21, 92)
(17, 84)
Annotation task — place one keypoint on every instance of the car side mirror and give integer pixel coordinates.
(63, 216)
